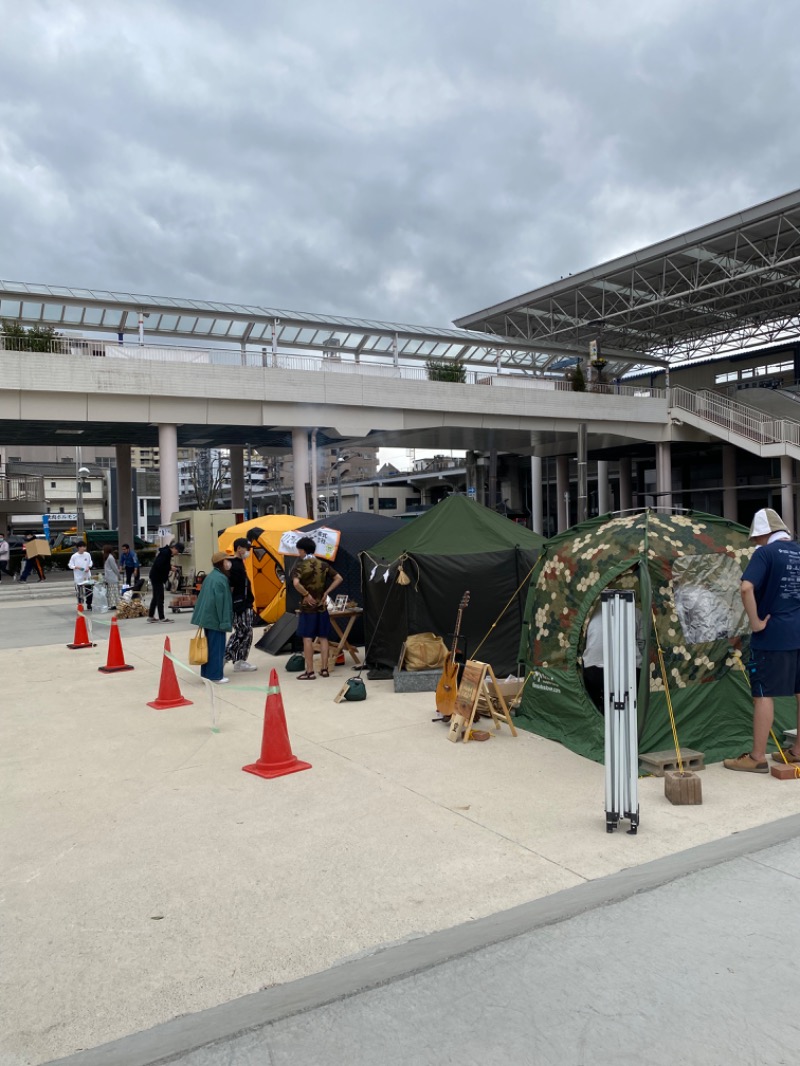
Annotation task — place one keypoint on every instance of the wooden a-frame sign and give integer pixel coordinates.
(472, 689)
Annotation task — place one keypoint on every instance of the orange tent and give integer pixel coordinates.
(265, 564)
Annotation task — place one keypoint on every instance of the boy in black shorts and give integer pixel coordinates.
(314, 580)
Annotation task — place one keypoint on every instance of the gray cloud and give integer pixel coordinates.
(412, 162)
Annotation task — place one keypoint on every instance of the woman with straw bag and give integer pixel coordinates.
(214, 613)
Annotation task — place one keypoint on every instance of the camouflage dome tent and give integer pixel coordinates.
(688, 568)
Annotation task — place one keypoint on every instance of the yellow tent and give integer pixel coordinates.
(265, 564)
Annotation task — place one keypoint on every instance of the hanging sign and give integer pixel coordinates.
(326, 540)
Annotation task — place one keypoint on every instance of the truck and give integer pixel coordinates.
(95, 540)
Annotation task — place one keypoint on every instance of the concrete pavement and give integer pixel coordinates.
(689, 959)
(146, 877)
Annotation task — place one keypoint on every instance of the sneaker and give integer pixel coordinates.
(242, 666)
(152, 619)
(747, 763)
(220, 680)
(790, 756)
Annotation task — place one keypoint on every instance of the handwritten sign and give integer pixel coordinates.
(469, 692)
(474, 685)
(326, 540)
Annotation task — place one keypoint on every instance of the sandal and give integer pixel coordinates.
(306, 677)
(324, 673)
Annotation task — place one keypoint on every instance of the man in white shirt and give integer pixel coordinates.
(5, 552)
(593, 674)
(80, 564)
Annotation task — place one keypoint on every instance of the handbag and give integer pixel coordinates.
(295, 663)
(423, 651)
(198, 649)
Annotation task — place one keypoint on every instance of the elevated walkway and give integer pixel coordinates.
(750, 429)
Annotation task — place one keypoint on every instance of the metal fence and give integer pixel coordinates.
(267, 359)
(736, 418)
(15, 488)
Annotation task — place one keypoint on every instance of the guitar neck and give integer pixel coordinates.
(455, 635)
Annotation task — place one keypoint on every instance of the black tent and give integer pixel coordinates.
(359, 531)
(457, 546)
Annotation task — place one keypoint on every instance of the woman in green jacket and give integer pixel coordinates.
(214, 612)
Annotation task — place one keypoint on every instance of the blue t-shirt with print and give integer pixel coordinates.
(774, 571)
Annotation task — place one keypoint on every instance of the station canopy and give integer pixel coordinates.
(174, 321)
(722, 288)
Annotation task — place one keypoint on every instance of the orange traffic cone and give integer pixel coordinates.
(169, 691)
(276, 751)
(81, 638)
(116, 660)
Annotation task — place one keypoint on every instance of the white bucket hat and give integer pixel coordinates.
(767, 521)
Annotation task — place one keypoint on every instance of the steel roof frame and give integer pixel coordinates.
(729, 285)
(169, 319)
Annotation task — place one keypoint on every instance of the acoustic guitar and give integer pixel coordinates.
(447, 689)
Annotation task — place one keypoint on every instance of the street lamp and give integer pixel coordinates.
(340, 459)
(79, 473)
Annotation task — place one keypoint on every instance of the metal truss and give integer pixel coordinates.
(731, 285)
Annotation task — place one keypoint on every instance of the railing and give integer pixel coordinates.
(557, 385)
(736, 418)
(266, 359)
(16, 489)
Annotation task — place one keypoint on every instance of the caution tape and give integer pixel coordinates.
(269, 691)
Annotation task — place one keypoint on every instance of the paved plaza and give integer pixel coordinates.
(146, 878)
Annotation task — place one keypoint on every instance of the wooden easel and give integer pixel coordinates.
(472, 691)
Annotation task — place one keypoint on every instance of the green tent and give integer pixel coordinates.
(457, 546)
(687, 572)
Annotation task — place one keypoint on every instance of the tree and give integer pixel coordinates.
(442, 370)
(578, 380)
(18, 339)
(207, 479)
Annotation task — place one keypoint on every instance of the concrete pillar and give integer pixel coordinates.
(537, 509)
(376, 498)
(787, 491)
(583, 473)
(603, 493)
(124, 495)
(625, 493)
(236, 453)
(471, 471)
(168, 470)
(562, 488)
(300, 464)
(664, 476)
(481, 486)
(492, 502)
(730, 508)
(314, 476)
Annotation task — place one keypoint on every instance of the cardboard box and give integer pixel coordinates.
(36, 547)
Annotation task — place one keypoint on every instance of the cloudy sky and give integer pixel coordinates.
(411, 162)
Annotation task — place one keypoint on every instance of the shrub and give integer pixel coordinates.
(442, 370)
